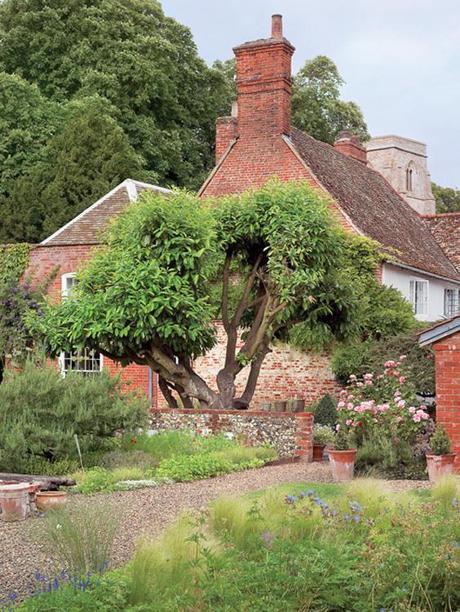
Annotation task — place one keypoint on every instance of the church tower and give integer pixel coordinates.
(403, 162)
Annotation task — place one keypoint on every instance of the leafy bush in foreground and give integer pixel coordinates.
(40, 412)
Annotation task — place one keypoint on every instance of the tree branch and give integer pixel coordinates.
(225, 292)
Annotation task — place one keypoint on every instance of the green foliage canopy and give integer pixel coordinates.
(145, 297)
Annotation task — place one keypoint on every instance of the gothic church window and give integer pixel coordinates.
(409, 175)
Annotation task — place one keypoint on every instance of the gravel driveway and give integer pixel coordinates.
(146, 511)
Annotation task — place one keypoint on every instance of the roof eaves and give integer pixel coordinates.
(216, 167)
(439, 331)
(400, 264)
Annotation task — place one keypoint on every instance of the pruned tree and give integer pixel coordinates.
(273, 256)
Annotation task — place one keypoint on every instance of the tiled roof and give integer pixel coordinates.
(374, 207)
(446, 231)
(88, 225)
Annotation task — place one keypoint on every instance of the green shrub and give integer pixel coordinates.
(322, 434)
(40, 411)
(80, 539)
(359, 357)
(325, 411)
(161, 445)
(135, 458)
(183, 468)
(440, 442)
(94, 480)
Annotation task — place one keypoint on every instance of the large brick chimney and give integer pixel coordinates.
(263, 80)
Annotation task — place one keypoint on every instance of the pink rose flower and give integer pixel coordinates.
(402, 380)
(401, 403)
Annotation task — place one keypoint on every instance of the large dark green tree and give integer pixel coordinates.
(161, 101)
(317, 107)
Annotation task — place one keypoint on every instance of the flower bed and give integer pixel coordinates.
(389, 426)
(300, 547)
(174, 456)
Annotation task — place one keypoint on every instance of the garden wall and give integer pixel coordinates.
(289, 433)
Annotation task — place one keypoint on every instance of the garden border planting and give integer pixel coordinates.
(290, 434)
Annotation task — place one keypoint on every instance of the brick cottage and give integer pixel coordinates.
(377, 190)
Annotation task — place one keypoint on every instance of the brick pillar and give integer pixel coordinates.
(447, 359)
(304, 435)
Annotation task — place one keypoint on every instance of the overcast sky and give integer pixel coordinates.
(400, 58)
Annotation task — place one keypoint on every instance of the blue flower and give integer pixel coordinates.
(356, 518)
(311, 493)
(355, 507)
(291, 499)
(347, 517)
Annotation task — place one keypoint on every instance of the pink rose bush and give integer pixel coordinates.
(384, 407)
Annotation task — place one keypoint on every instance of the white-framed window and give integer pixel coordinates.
(68, 282)
(86, 362)
(419, 296)
(451, 302)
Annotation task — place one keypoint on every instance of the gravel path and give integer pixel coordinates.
(146, 511)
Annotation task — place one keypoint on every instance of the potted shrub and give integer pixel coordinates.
(342, 456)
(322, 436)
(441, 459)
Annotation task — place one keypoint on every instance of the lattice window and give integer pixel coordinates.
(86, 362)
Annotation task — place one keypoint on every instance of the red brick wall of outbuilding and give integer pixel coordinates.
(447, 359)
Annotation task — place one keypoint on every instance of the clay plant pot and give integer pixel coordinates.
(318, 450)
(46, 500)
(14, 501)
(342, 464)
(439, 466)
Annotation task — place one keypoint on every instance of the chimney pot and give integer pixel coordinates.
(277, 26)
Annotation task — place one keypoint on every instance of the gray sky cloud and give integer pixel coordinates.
(400, 58)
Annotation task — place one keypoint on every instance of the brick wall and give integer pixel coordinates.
(290, 434)
(447, 359)
(286, 373)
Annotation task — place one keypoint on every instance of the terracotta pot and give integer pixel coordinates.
(46, 500)
(439, 465)
(318, 450)
(342, 464)
(14, 501)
